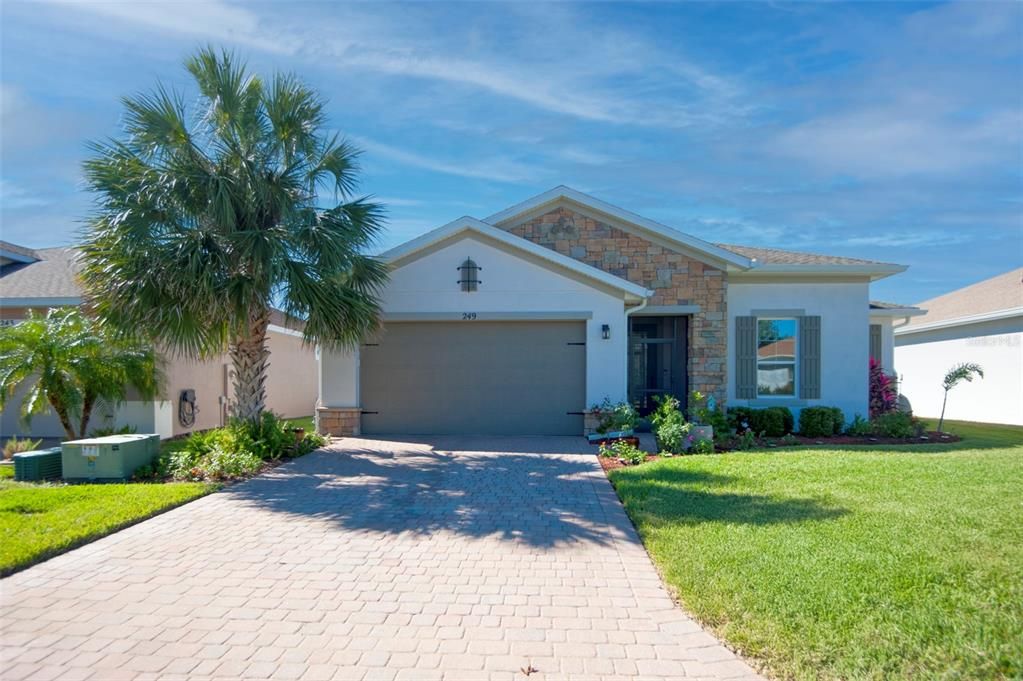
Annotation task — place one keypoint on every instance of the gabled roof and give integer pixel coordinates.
(776, 256)
(737, 259)
(999, 297)
(408, 251)
(626, 219)
(50, 277)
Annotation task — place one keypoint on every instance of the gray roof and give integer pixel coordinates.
(882, 305)
(776, 256)
(7, 247)
(1003, 292)
(53, 275)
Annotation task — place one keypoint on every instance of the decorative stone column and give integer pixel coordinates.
(591, 420)
(339, 421)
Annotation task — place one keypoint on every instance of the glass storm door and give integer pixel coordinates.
(657, 360)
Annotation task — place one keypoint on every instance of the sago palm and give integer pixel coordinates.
(209, 215)
(69, 363)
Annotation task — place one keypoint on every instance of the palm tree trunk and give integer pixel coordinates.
(250, 358)
(65, 418)
(941, 420)
(87, 405)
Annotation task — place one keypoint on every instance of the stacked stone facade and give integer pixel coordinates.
(675, 278)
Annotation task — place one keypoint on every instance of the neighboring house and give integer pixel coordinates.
(521, 322)
(884, 319)
(982, 323)
(39, 279)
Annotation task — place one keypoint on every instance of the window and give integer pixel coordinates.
(776, 357)
(470, 279)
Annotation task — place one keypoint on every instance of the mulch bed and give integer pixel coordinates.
(609, 464)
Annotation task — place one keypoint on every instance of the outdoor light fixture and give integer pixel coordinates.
(605, 332)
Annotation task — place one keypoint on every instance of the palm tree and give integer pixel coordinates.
(70, 363)
(960, 372)
(207, 217)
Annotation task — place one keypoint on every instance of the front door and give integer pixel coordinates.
(657, 360)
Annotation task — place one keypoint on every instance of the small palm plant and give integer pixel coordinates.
(955, 375)
(69, 363)
(209, 215)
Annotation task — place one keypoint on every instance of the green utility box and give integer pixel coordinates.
(42, 464)
(114, 457)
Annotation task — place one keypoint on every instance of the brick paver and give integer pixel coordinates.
(456, 558)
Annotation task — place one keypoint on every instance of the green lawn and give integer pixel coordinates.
(848, 562)
(41, 520)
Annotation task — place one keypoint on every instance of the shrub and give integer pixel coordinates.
(224, 465)
(817, 422)
(703, 446)
(614, 416)
(883, 397)
(624, 450)
(771, 421)
(837, 420)
(669, 425)
(16, 446)
(269, 435)
(894, 424)
(860, 427)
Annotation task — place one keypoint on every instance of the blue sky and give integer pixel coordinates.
(879, 130)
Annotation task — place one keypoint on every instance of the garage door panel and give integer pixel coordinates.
(475, 377)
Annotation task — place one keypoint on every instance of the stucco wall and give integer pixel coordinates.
(291, 391)
(844, 337)
(291, 385)
(675, 278)
(887, 343)
(509, 285)
(922, 359)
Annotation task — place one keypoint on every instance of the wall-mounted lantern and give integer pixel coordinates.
(605, 332)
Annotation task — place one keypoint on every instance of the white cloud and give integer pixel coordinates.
(496, 169)
(897, 141)
(205, 19)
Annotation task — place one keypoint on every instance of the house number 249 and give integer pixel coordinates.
(468, 316)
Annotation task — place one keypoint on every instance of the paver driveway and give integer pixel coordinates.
(449, 559)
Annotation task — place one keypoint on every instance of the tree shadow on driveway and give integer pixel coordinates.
(420, 488)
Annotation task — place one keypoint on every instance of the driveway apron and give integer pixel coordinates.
(441, 558)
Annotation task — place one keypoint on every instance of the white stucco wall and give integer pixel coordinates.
(845, 350)
(510, 286)
(923, 358)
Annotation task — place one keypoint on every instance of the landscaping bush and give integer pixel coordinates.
(771, 421)
(624, 450)
(860, 427)
(703, 411)
(16, 446)
(894, 424)
(817, 422)
(614, 417)
(669, 425)
(237, 450)
(883, 397)
(702, 446)
(837, 420)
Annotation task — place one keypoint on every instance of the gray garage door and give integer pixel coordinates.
(491, 378)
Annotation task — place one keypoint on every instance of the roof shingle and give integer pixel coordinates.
(1002, 292)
